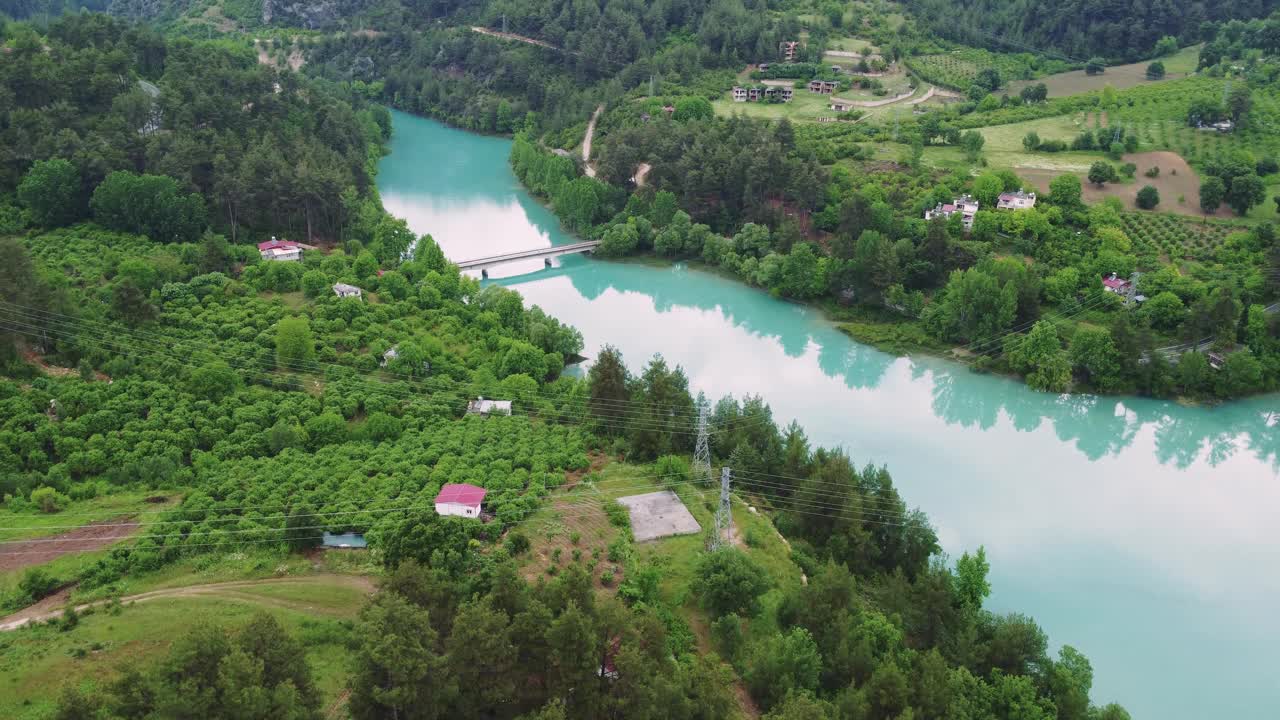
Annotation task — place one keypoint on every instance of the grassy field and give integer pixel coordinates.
(577, 511)
(37, 661)
(1118, 76)
(806, 106)
(31, 523)
(858, 45)
(27, 524)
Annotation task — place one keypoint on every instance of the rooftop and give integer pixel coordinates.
(461, 494)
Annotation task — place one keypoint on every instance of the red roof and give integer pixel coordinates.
(1115, 283)
(275, 244)
(948, 208)
(462, 494)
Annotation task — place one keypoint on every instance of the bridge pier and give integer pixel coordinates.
(484, 273)
(546, 262)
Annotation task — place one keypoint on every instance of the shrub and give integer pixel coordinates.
(673, 469)
(1148, 197)
(1153, 171)
(48, 499)
(518, 543)
(730, 582)
(619, 550)
(606, 578)
(35, 584)
(618, 515)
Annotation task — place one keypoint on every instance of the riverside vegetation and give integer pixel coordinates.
(194, 368)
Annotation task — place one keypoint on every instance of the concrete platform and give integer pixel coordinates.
(658, 515)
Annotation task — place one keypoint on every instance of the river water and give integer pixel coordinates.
(1140, 532)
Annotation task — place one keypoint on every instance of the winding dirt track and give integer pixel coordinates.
(233, 590)
(586, 142)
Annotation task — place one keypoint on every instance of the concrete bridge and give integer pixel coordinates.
(545, 254)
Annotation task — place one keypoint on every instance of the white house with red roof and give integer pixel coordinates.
(460, 499)
(280, 250)
(1018, 200)
(1117, 285)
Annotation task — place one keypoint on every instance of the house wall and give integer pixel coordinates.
(457, 509)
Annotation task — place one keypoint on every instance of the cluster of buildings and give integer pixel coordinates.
(275, 250)
(757, 93)
(823, 87)
(967, 206)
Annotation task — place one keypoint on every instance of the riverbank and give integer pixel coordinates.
(1077, 499)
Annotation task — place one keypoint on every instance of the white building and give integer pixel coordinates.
(461, 500)
(344, 290)
(966, 205)
(1016, 200)
(480, 406)
(280, 250)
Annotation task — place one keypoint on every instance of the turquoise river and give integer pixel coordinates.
(1143, 533)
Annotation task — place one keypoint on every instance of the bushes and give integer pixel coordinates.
(1148, 197)
(672, 469)
(730, 582)
(49, 500)
(619, 517)
(36, 583)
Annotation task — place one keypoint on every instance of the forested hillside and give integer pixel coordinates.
(1124, 30)
(263, 150)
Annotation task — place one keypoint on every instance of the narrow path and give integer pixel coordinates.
(887, 100)
(642, 171)
(518, 38)
(229, 590)
(924, 98)
(590, 169)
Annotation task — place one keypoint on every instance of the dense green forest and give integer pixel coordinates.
(1127, 30)
(262, 149)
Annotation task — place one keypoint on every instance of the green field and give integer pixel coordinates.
(1117, 76)
(579, 510)
(858, 45)
(37, 661)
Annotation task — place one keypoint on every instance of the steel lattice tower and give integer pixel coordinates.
(702, 451)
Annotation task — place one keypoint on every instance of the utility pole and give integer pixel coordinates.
(702, 451)
(724, 518)
(504, 23)
(651, 86)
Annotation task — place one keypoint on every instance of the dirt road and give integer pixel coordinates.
(513, 36)
(93, 536)
(586, 142)
(233, 590)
